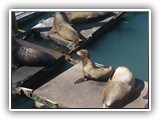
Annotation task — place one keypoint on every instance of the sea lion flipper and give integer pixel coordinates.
(53, 30)
(80, 80)
(73, 49)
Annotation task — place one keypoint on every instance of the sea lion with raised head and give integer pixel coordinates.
(91, 71)
(119, 88)
(64, 29)
(82, 17)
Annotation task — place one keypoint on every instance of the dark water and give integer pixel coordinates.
(126, 45)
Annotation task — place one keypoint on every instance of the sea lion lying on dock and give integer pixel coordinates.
(64, 29)
(82, 17)
(90, 70)
(119, 88)
(24, 56)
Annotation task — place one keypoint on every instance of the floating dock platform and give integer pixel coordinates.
(87, 32)
(66, 94)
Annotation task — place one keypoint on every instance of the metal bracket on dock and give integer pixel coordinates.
(30, 93)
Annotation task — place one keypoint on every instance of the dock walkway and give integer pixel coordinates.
(88, 94)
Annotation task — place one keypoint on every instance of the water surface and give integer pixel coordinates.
(127, 45)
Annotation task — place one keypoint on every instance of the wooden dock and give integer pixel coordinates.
(87, 32)
(88, 94)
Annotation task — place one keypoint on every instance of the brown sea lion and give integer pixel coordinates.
(64, 29)
(90, 70)
(119, 88)
(81, 17)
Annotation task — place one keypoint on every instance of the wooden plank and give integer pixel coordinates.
(24, 72)
(57, 39)
(88, 94)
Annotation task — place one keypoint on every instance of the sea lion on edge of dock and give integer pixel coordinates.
(64, 29)
(82, 17)
(24, 56)
(119, 88)
(91, 71)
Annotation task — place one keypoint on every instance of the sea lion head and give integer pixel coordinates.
(83, 53)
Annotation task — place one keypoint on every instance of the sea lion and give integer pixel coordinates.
(90, 70)
(64, 29)
(82, 17)
(119, 88)
(24, 56)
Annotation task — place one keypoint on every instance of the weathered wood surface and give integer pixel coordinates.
(24, 72)
(88, 94)
(143, 100)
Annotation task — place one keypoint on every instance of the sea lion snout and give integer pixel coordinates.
(79, 53)
(82, 53)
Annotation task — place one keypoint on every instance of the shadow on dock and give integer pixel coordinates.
(41, 77)
(139, 86)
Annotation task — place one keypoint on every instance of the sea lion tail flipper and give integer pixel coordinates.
(80, 80)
